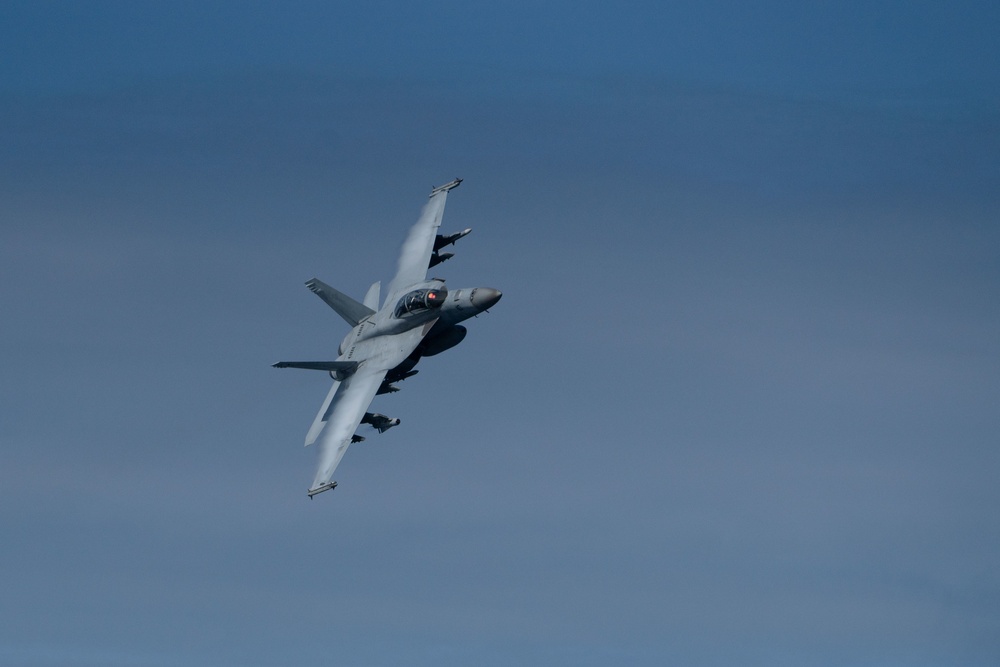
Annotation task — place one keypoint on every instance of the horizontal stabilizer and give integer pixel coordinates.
(337, 366)
(352, 311)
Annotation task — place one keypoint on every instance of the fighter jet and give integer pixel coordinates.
(418, 318)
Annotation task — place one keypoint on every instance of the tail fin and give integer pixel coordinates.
(352, 311)
(372, 297)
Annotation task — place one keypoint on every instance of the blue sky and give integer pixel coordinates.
(737, 405)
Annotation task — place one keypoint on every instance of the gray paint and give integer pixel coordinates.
(739, 406)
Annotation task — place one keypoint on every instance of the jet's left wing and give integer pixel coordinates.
(417, 249)
(341, 418)
(346, 404)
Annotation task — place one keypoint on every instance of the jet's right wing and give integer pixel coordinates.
(419, 244)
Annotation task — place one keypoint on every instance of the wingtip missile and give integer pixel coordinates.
(446, 187)
(321, 488)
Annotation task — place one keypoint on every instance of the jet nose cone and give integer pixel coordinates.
(486, 297)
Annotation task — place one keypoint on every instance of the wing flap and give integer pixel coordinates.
(320, 421)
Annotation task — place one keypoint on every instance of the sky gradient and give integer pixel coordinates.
(738, 404)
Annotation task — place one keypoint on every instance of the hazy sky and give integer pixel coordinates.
(739, 405)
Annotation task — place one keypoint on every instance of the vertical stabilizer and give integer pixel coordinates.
(372, 297)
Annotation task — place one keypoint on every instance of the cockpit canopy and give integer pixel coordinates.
(421, 299)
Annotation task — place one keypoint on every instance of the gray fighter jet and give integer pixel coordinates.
(419, 318)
